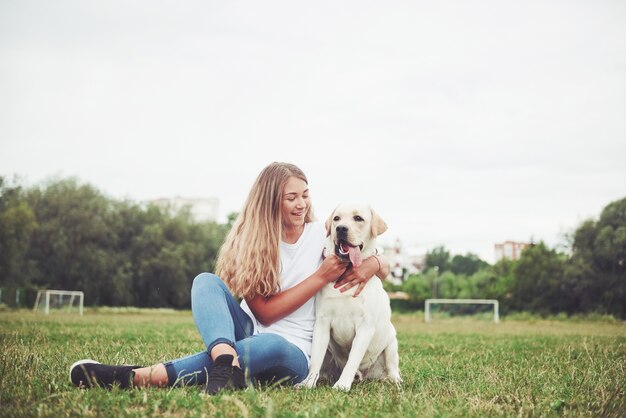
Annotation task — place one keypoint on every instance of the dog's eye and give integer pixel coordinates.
(358, 218)
(336, 218)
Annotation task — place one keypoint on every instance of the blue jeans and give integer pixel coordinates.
(219, 318)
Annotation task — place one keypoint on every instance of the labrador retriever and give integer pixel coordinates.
(356, 331)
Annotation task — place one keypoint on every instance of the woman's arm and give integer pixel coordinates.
(376, 265)
(271, 309)
(385, 267)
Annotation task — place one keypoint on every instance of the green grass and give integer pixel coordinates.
(450, 367)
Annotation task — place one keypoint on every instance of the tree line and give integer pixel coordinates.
(67, 235)
(588, 278)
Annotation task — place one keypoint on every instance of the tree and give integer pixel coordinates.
(438, 259)
(17, 223)
(539, 284)
(75, 245)
(449, 285)
(503, 286)
(467, 264)
(68, 235)
(418, 287)
(596, 271)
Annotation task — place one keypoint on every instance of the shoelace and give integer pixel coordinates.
(222, 374)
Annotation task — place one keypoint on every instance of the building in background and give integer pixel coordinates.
(511, 250)
(404, 261)
(202, 210)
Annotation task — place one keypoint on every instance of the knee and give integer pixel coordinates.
(206, 281)
(280, 348)
(283, 355)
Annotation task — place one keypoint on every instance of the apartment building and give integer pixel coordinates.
(511, 250)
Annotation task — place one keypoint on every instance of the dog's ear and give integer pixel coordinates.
(378, 225)
(329, 222)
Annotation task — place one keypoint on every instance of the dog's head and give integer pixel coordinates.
(352, 232)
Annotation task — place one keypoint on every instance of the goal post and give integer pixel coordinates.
(60, 300)
(494, 302)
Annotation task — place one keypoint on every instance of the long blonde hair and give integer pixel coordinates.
(249, 260)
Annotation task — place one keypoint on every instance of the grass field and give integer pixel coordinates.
(450, 367)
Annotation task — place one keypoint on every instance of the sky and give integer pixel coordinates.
(462, 123)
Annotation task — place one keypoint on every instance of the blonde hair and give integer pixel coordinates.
(249, 260)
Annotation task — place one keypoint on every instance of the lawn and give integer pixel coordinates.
(450, 367)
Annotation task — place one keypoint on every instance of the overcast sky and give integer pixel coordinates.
(463, 123)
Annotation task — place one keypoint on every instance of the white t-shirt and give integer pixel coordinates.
(298, 261)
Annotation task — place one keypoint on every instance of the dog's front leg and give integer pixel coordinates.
(360, 345)
(321, 337)
(391, 362)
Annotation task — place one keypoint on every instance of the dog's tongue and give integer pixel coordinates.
(355, 256)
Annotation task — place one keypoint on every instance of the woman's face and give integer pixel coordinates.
(295, 202)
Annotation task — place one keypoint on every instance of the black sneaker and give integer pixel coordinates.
(225, 376)
(90, 373)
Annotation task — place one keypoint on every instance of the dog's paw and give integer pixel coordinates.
(309, 382)
(396, 379)
(345, 386)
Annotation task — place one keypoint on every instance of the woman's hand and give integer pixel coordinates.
(332, 268)
(358, 276)
(268, 310)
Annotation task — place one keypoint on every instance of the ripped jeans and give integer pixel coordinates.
(219, 318)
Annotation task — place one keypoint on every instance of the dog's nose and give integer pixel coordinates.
(342, 229)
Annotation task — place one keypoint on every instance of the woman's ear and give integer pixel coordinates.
(378, 225)
(329, 222)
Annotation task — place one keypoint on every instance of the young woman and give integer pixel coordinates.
(272, 259)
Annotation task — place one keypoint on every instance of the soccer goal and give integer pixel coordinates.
(429, 302)
(59, 300)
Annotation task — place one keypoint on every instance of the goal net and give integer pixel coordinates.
(429, 302)
(59, 300)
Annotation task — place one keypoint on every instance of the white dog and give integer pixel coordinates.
(356, 331)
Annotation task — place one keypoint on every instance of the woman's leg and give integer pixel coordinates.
(218, 316)
(264, 357)
(220, 321)
(150, 376)
(271, 358)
